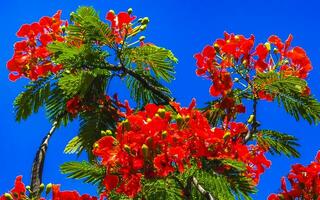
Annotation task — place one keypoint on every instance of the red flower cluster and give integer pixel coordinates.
(155, 143)
(235, 54)
(120, 24)
(304, 180)
(69, 195)
(31, 57)
(19, 193)
(292, 61)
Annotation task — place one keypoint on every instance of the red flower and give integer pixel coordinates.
(31, 58)
(120, 24)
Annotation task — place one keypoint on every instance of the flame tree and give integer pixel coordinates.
(159, 149)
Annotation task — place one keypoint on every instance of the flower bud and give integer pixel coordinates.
(130, 11)
(95, 145)
(142, 38)
(268, 46)
(275, 50)
(226, 135)
(145, 21)
(161, 112)
(179, 119)
(127, 148)
(28, 188)
(41, 188)
(126, 124)
(48, 188)
(143, 27)
(164, 134)
(106, 132)
(145, 149)
(250, 120)
(8, 196)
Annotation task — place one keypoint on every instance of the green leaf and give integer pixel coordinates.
(161, 189)
(55, 107)
(288, 92)
(91, 124)
(88, 27)
(35, 96)
(141, 94)
(160, 60)
(79, 83)
(90, 173)
(73, 146)
(278, 143)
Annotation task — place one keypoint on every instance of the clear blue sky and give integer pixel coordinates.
(184, 26)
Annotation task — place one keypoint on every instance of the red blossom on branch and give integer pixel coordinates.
(155, 143)
(304, 181)
(31, 58)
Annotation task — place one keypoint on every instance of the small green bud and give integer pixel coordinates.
(140, 20)
(250, 120)
(106, 132)
(161, 112)
(48, 188)
(143, 27)
(268, 46)
(164, 134)
(8, 196)
(126, 124)
(63, 28)
(142, 38)
(145, 21)
(28, 188)
(179, 118)
(41, 188)
(130, 11)
(72, 16)
(227, 134)
(145, 149)
(127, 148)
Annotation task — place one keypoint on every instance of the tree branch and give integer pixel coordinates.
(142, 80)
(193, 181)
(255, 123)
(38, 163)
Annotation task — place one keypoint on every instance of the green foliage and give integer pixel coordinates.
(278, 143)
(65, 53)
(88, 27)
(160, 60)
(73, 146)
(35, 96)
(288, 92)
(55, 106)
(79, 83)
(141, 92)
(91, 124)
(90, 173)
(161, 189)
(230, 185)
